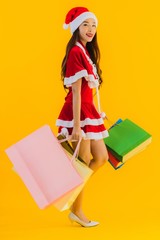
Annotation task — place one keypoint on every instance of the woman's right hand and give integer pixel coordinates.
(76, 133)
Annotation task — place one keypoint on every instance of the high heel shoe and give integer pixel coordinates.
(74, 218)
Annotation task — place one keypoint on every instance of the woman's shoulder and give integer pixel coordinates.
(75, 50)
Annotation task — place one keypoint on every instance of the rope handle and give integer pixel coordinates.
(75, 154)
(102, 114)
(76, 151)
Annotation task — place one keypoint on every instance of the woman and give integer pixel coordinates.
(81, 74)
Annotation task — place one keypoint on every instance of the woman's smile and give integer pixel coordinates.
(89, 35)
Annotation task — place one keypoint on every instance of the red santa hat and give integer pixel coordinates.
(76, 16)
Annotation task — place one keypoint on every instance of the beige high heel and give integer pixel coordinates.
(73, 218)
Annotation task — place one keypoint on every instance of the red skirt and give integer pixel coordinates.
(90, 121)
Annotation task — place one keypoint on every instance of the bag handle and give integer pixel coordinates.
(102, 114)
(75, 154)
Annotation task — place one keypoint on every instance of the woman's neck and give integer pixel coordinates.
(83, 43)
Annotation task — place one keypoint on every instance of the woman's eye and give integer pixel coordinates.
(86, 24)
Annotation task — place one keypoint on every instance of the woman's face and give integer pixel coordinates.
(87, 30)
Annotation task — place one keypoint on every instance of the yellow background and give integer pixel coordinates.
(126, 201)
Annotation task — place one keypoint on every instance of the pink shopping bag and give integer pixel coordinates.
(44, 167)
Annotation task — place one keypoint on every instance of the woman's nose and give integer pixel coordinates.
(90, 29)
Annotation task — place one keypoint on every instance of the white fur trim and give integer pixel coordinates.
(65, 132)
(89, 60)
(92, 82)
(87, 121)
(81, 18)
(91, 135)
(65, 26)
(96, 136)
(69, 80)
(102, 114)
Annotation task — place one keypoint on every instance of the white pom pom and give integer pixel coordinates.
(102, 114)
(65, 26)
(64, 131)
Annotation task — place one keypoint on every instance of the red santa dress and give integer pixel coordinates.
(79, 65)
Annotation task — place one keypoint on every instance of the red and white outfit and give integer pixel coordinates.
(79, 65)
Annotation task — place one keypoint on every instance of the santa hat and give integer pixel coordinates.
(76, 16)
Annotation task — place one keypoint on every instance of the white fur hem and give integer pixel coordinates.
(92, 83)
(87, 121)
(92, 135)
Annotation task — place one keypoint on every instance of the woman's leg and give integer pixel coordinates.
(85, 154)
(99, 153)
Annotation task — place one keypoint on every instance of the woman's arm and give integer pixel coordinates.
(76, 94)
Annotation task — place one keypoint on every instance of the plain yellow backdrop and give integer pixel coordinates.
(126, 201)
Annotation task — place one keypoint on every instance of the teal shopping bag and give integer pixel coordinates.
(126, 139)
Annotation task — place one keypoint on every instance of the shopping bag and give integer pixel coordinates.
(115, 163)
(85, 172)
(44, 167)
(127, 139)
(116, 123)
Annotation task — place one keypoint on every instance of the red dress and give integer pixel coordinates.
(79, 65)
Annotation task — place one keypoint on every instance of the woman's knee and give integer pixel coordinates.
(99, 152)
(102, 160)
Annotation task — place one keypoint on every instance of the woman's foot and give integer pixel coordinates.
(80, 215)
(75, 218)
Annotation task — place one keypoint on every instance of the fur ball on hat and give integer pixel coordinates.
(76, 16)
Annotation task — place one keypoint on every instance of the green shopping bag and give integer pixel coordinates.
(126, 139)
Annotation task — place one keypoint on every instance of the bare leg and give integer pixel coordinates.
(84, 153)
(99, 153)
